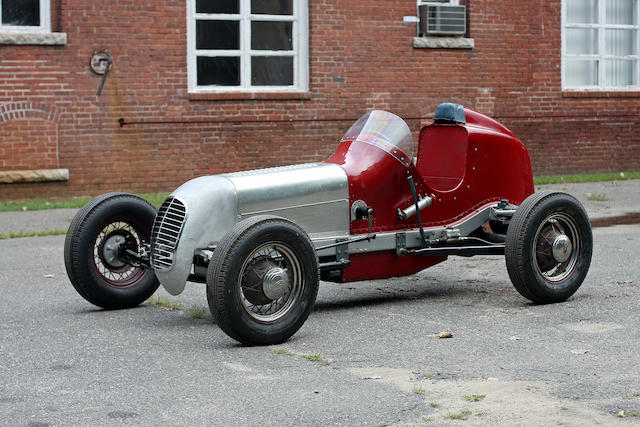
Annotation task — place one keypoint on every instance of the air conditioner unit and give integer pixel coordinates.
(439, 19)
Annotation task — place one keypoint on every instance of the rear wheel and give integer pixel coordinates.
(262, 280)
(99, 235)
(548, 247)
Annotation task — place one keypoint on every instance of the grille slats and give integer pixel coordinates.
(166, 232)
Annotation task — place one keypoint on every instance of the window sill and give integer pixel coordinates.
(228, 96)
(40, 175)
(601, 94)
(443, 43)
(40, 39)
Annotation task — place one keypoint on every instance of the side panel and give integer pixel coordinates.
(381, 181)
(380, 265)
(315, 196)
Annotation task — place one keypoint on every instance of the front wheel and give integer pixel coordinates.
(98, 236)
(548, 247)
(262, 280)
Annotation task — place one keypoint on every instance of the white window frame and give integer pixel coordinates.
(45, 21)
(300, 52)
(601, 26)
(448, 3)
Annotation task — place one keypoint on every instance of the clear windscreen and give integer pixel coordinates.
(384, 130)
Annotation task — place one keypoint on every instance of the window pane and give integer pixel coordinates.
(217, 6)
(582, 41)
(21, 12)
(272, 7)
(272, 71)
(621, 73)
(621, 42)
(580, 73)
(219, 71)
(622, 12)
(217, 34)
(582, 11)
(271, 35)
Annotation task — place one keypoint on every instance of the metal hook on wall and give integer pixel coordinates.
(101, 63)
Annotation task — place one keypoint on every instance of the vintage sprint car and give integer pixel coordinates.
(262, 239)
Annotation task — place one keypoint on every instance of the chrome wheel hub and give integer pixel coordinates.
(556, 247)
(562, 248)
(111, 250)
(275, 283)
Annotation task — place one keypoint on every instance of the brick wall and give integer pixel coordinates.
(361, 57)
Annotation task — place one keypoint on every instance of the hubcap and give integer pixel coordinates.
(562, 248)
(111, 250)
(275, 283)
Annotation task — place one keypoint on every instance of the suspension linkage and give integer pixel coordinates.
(136, 260)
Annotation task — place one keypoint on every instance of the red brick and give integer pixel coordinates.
(512, 74)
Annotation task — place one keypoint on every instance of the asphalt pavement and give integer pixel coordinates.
(374, 356)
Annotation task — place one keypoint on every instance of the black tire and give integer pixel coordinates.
(96, 273)
(548, 247)
(254, 250)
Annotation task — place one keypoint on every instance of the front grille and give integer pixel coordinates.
(166, 232)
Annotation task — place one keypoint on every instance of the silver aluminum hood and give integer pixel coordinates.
(315, 196)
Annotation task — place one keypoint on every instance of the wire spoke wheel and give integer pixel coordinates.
(548, 247)
(262, 280)
(98, 237)
(108, 249)
(270, 282)
(557, 246)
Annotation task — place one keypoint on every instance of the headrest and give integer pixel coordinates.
(449, 112)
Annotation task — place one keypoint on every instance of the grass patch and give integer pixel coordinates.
(196, 312)
(598, 197)
(41, 204)
(426, 419)
(15, 235)
(313, 358)
(165, 303)
(155, 199)
(464, 415)
(434, 405)
(285, 352)
(633, 414)
(585, 177)
(474, 397)
(418, 390)
(310, 357)
(429, 376)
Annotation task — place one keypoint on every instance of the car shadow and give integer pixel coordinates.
(466, 293)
